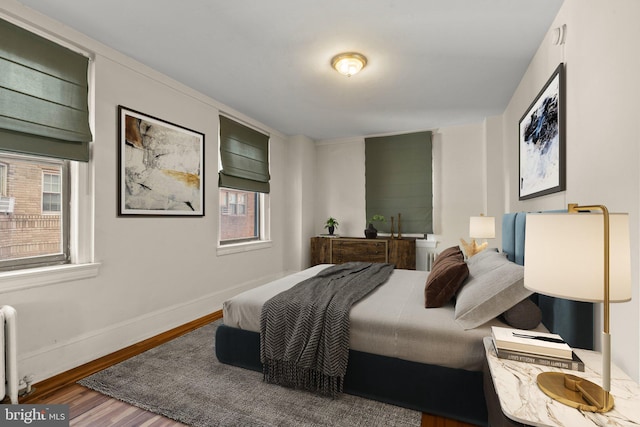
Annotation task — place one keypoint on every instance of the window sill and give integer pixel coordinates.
(243, 247)
(38, 277)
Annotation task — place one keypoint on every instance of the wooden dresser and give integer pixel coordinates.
(337, 250)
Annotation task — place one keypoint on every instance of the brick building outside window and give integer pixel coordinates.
(239, 216)
(31, 225)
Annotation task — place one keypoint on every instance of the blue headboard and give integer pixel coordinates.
(573, 320)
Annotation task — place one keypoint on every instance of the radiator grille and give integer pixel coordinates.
(431, 257)
(8, 354)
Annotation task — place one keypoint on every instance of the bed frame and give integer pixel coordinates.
(452, 393)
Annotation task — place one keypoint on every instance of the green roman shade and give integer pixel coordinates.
(244, 154)
(43, 96)
(399, 180)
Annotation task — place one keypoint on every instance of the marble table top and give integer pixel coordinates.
(522, 400)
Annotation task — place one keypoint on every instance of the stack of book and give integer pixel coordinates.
(535, 347)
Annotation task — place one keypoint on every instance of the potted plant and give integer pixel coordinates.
(371, 232)
(331, 225)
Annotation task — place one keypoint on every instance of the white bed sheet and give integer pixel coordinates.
(391, 321)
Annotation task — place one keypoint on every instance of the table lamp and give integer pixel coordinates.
(580, 255)
(480, 227)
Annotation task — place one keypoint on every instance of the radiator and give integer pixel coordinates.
(8, 356)
(431, 256)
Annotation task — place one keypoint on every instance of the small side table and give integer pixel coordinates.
(523, 402)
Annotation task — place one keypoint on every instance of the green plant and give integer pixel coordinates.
(377, 218)
(331, 222)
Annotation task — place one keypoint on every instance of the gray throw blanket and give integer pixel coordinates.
(304, 331)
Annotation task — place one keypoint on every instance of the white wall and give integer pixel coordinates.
(299, 219)
(459, 190)
(496, 174)
(459, 184)
(603, 123)
(155, 273)
(340, 186)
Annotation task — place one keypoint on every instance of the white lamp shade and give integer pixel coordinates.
(482, 227)
(564, 256)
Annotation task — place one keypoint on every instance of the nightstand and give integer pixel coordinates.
(523, 403)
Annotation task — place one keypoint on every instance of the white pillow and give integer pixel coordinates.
(495, 284)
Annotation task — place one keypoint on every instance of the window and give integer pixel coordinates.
(51, 192)
(239, 216)
(234, 202)
(4, 170)
(44, 149)
(399, 180)
(36, 232)
(241, 205)
(244, 183)
(232, 205)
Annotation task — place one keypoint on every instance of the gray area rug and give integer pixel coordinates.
(183, 380)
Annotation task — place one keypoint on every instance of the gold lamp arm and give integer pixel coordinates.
(606, 335)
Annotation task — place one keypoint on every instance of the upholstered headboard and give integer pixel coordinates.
(573, 320)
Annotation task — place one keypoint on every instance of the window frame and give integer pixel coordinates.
(232, 203)
(263, 203)
(64, 256)
(62, 201)
(244, 245)
(81, 264)
(4, 176)
(258, 222)
(230, 206)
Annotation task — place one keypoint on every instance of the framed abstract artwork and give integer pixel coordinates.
(160, 167)
(541, 142)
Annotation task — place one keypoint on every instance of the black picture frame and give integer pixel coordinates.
(160, 167)
(541, 141)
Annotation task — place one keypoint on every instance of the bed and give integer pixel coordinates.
(429, 360)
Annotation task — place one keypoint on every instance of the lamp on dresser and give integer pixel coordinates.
(581, 255)
(480, 227)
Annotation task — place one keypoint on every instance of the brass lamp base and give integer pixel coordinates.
(575, 392)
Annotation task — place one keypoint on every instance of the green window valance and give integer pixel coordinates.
(244, 154)
(399, 179)
(43, 96)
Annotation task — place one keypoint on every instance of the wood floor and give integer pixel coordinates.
(90, 408)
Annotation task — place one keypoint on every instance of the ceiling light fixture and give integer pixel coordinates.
(349, 63)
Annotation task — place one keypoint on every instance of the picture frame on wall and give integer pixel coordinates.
(160, 167)
(541, 142)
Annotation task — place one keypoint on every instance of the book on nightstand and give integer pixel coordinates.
(575, 364)
(531, 342)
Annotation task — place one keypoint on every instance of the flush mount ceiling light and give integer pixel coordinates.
(349, 63)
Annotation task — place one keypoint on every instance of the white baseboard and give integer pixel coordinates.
(52, 360)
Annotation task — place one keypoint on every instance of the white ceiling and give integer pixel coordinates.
(432, 63)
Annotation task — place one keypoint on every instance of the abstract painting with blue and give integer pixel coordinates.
(541, 141)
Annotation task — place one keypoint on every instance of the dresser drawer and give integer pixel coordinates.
(366, 250)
